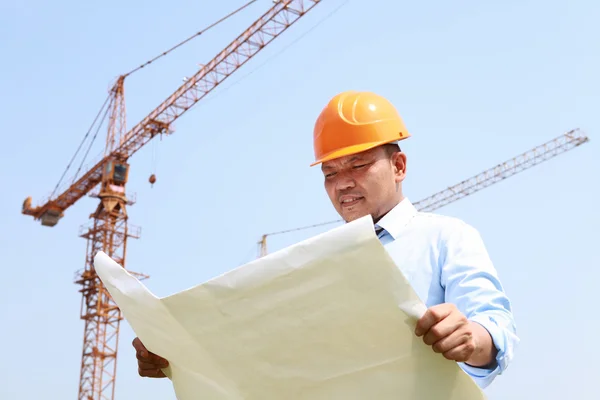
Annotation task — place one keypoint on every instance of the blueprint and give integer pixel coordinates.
(331, 317)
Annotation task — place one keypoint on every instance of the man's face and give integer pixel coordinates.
(365, 183)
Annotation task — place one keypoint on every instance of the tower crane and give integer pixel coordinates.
(522, 162)
(109, 229)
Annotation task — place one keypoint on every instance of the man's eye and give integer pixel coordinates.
(359, 166)
(329, 175)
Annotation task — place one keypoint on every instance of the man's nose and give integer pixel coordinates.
(345, 183)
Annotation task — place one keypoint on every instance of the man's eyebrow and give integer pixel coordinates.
(351, 160)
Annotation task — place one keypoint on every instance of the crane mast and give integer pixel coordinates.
(108, 232)
(108, 229)
(522, 162)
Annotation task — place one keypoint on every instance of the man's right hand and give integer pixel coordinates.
(149, 364)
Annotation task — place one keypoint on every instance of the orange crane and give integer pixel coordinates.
(530, 158)
(109, 230)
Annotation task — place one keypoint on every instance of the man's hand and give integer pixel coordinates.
(149, 364)
(450, 333)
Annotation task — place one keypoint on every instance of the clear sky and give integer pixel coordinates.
(476, 82)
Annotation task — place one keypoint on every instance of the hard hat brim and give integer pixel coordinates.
(358, 148)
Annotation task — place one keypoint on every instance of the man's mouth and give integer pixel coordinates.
(349, 201)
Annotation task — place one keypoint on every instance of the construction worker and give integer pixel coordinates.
(469, 317)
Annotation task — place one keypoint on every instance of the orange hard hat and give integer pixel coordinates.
(353, 122)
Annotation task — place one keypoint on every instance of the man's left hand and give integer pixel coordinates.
(450, 333)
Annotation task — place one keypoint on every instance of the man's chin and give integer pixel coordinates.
(353, 216)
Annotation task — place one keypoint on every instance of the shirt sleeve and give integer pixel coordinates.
(471, 283)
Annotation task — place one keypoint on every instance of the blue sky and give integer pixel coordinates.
(476, 82)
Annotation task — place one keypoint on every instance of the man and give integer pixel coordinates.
(469, 318)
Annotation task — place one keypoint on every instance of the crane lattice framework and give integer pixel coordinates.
(108, 229)
(522, 162)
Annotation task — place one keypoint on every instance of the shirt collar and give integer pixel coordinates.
(397, 218)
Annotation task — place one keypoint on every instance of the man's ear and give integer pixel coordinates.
(399, 160)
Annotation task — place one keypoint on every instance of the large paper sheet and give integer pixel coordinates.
(329, 318)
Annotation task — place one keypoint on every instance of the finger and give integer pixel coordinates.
(456, 339)
(152, 373)
(137, 343)
(143, 354)
(139, 347)
(151, 365)
(431, 317)
(151, 358)
(460, 353)
(444, 328)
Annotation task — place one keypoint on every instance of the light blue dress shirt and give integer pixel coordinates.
(445, 261)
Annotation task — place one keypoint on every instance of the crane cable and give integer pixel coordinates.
(127, 74)
(90, 146)
(81, 144)
(190, 38)
(277, 54)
